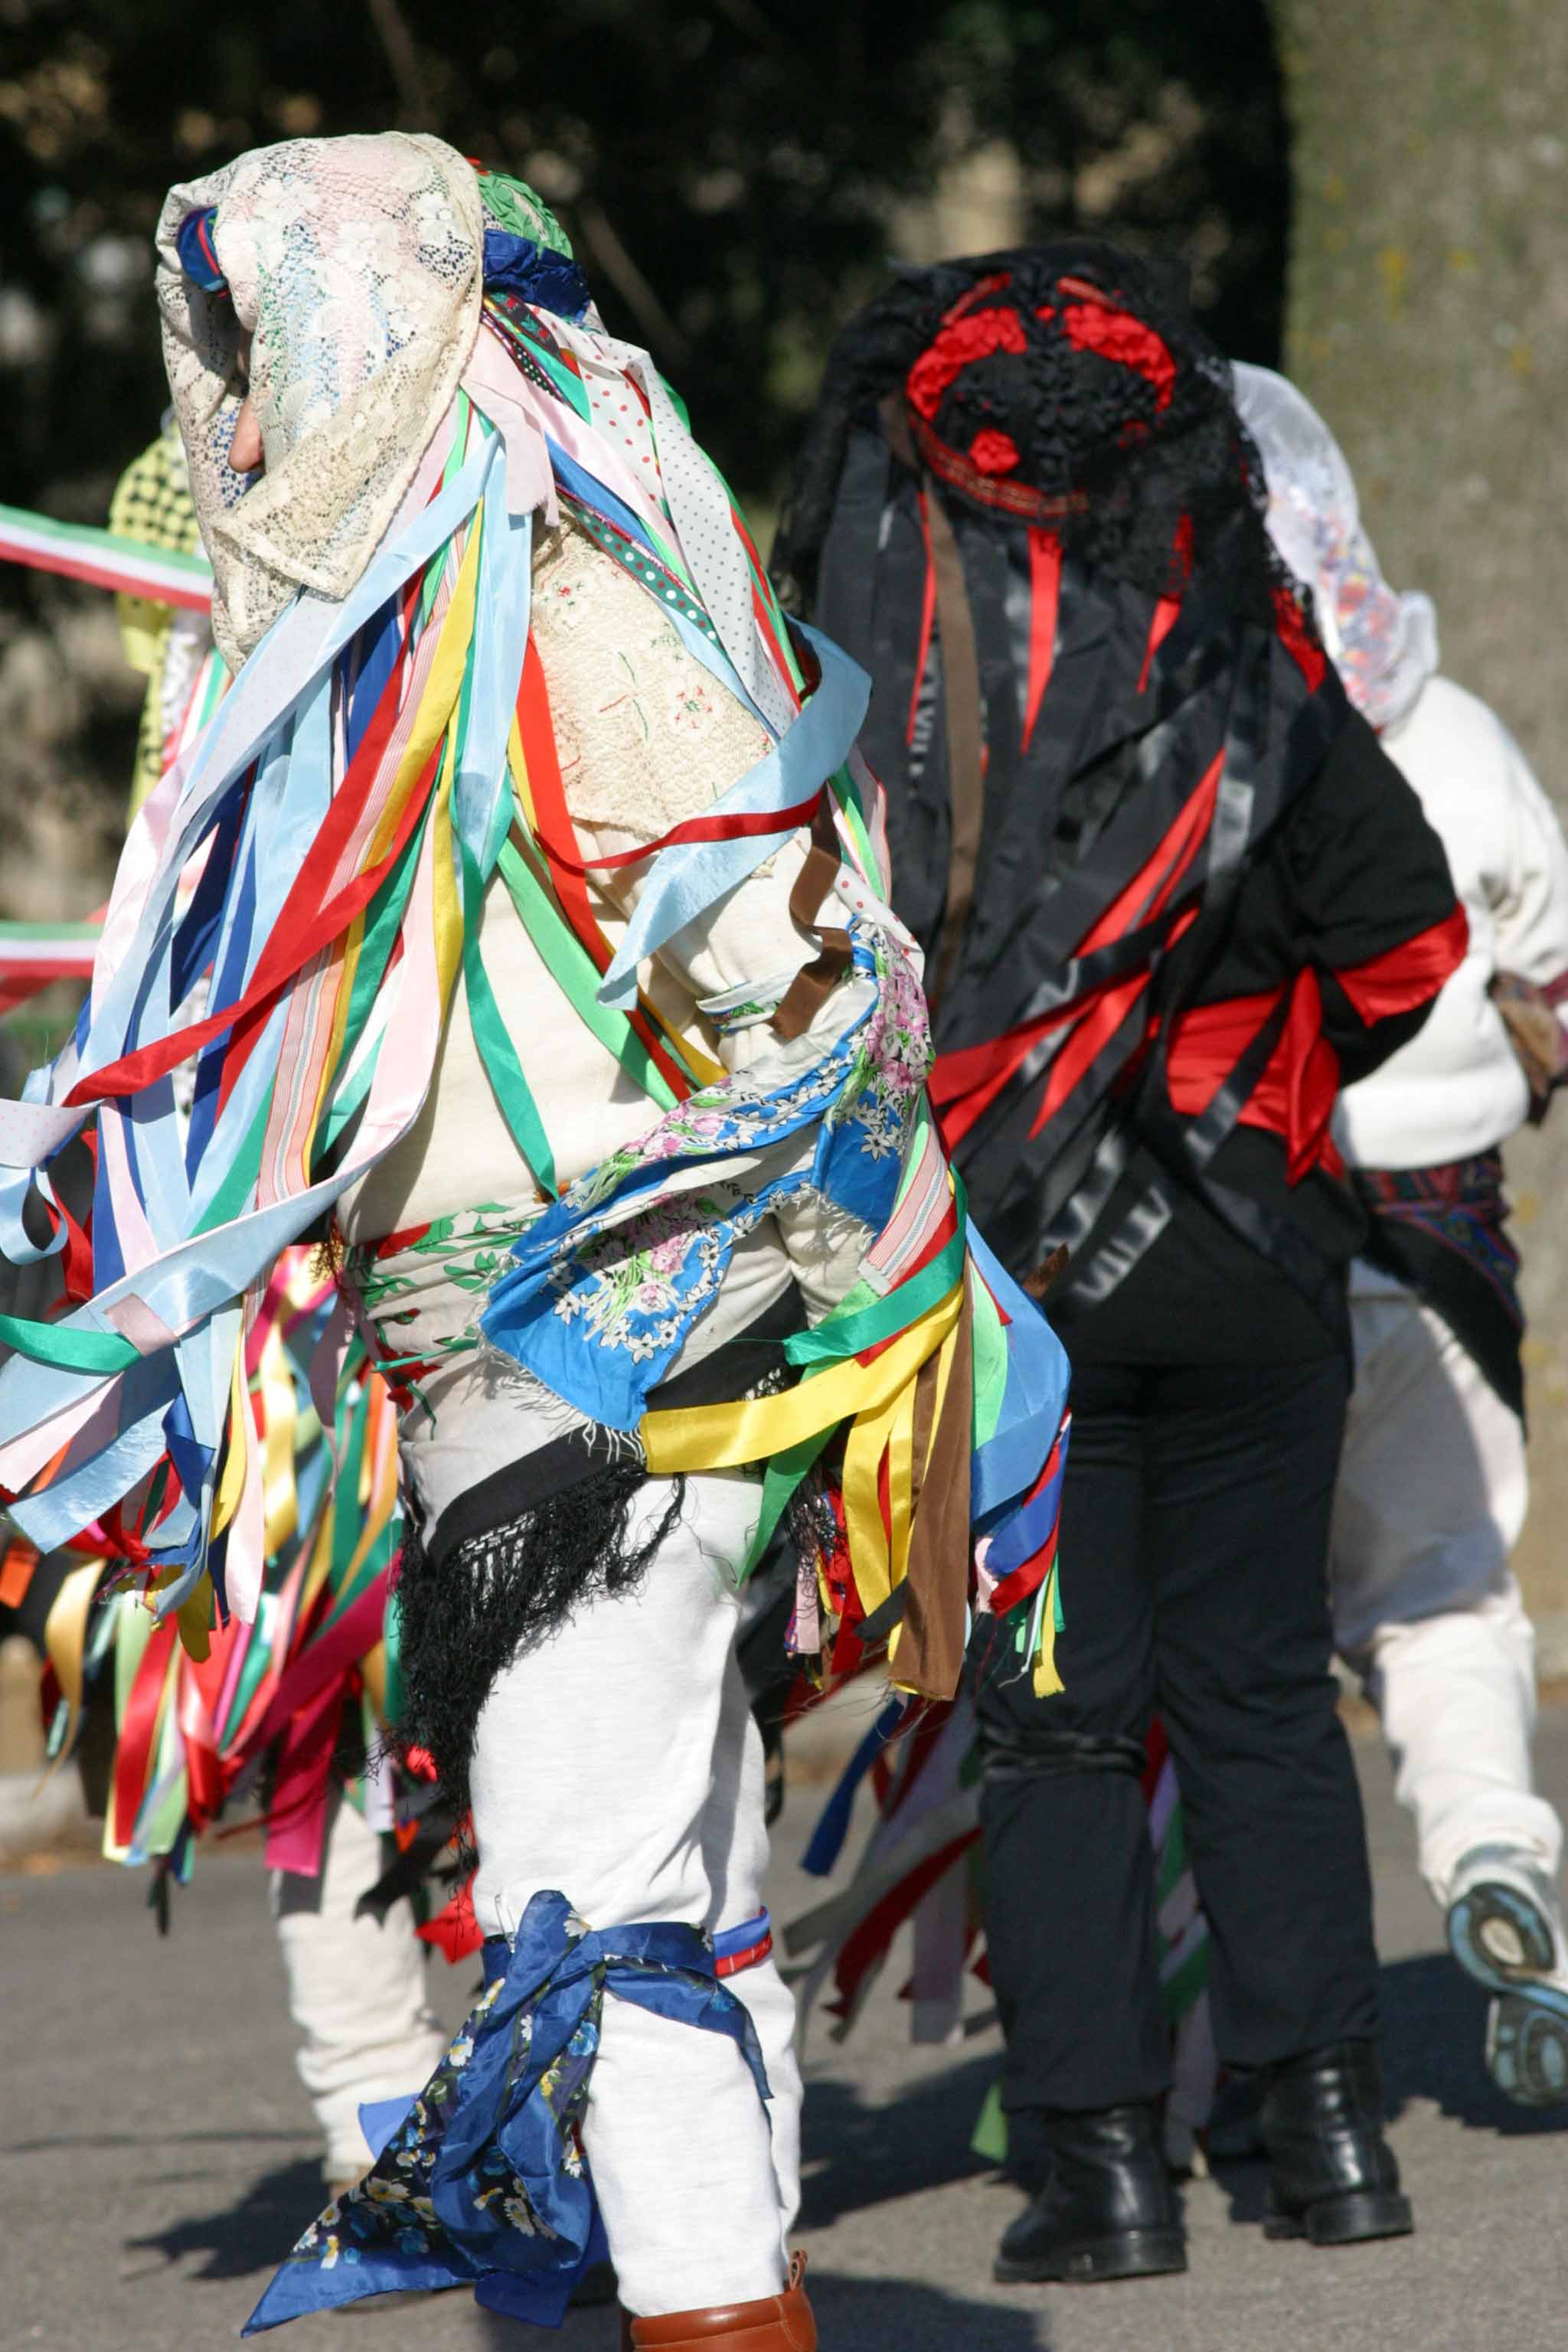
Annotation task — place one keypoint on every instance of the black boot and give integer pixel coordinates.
(1107, 2211)
(1334, 2179)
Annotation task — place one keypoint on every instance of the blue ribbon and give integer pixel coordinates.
(833, 1824)
(516, 265)
(483, 2183)
(198, 255)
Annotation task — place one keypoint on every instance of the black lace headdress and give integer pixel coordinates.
(1064, 384)
(1027, 506)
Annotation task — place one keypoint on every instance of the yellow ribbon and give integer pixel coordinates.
(231, 1486)
(723, 1436)
(1047, 1682)
(64, 1645)
(280, 1496)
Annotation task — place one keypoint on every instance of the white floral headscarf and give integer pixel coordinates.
(357, 264)
(1384, 645)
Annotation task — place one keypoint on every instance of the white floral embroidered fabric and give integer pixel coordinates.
(1384, 645)
(357, 266)
(645, 735)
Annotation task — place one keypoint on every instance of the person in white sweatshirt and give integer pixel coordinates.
(1433, 1485)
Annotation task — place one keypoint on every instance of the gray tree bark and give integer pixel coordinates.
(1427, 318)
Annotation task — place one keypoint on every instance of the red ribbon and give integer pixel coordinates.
(957, 346)
(1112, 334)
(1407, 975)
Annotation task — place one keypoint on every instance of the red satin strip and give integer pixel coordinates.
(454, 1932)
(1162, 622)
(203, 1774)
(16, 1572)
(134, 1752)
(978, 335)
(968, 1081)
(1092, 1034)
(729, 1964)
(297, 1818)
(1407, 975)
(1156, 879)
(306, 924)
(745, 827)
(928, 619)
(1294, 1098)
(1045, 585)
(328, 1657)
(1025, 1581)
(867, 1942)
(558, 839)
(1303, 647)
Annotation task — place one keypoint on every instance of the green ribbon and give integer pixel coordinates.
(68, 1350)
(497, 1051)
(848, 1333)
(782, 1477)
(990, 1352)
(576, 975)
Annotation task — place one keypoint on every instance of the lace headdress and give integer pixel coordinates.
(1384, 645)
(356, 265)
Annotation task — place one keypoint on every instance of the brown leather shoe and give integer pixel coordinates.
(775, 2323)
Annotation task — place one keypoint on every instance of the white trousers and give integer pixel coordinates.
(1431, 1498)
(617, 1763)
(356, 1991)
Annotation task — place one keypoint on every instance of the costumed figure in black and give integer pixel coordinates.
(1172, 896)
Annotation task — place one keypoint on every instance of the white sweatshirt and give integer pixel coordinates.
(1457, 1089)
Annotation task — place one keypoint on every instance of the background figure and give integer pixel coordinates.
(1170, 891)
(356, 1990)
(1433, 1486)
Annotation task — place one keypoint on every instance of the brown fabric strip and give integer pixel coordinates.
(931, 1645)
(814, 982)
(961, 698)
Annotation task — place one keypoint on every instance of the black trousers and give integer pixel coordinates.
(1194, 1545)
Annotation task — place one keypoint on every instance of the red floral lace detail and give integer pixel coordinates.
(994, 452)
(957, 346)
(1099, 327)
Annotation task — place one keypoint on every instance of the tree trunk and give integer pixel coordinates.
(1427, 318)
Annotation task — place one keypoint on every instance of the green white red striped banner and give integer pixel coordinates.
(104, 559)
(33, 954)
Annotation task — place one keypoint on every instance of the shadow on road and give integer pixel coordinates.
(889, 2315)
(1434, 2028)
(250, 2237)
(864, 2155)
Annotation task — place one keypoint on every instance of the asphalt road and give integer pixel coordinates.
(157, 2157)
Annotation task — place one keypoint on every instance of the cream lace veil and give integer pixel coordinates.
(357, 265)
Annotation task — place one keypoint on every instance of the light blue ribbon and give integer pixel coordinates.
(686, 880)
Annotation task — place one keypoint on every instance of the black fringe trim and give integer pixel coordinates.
(462, 1622)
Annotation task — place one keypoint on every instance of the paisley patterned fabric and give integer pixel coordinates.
(483, 2182)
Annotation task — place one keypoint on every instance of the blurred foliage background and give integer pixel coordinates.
(734, 173)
